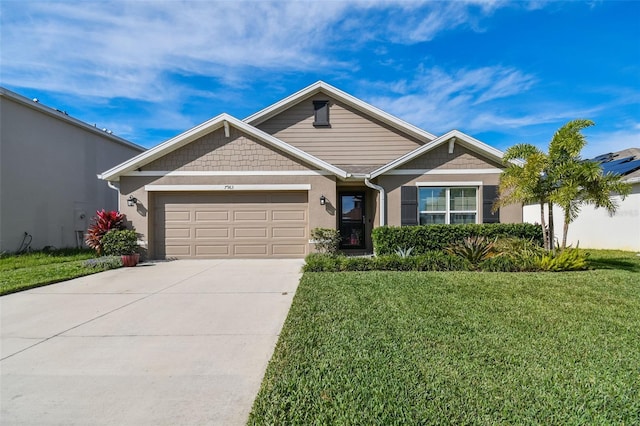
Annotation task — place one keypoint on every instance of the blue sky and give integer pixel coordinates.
(503, 72)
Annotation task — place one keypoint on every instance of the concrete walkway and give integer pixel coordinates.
(172, 343)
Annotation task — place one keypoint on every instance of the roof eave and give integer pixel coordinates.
(158, 151)
(471, 142)
(215, 123)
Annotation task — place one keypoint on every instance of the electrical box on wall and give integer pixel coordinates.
(80, 221)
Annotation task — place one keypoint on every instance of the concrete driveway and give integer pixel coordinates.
(172, 343)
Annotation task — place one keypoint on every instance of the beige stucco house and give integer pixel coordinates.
(318, 158)
(48, 164)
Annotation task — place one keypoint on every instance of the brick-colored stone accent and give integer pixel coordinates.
(236, 153)
(439, 158)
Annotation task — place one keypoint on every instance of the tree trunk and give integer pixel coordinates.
(545, 237)
(565, 229)
(552, 234)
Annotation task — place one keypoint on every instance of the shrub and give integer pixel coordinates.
(528, 258)
(356, 264)
(424, 238)
(473, 249)
(321, 262)
(505, 264)
(104, 262)
(432, 261)
(392, 263)
(326, 240)
(516, 255)
(103, 222)
(519, 247)
(120, 242)
(440, 261)
(570, 259)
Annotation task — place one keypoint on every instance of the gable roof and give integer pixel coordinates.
(322, 87)
(207, 127)
(468, 141)
(248, 126)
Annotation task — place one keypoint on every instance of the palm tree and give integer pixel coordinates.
(577, 182)
(525, 182)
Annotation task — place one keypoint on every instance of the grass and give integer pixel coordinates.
(385, 348)
(29, 270)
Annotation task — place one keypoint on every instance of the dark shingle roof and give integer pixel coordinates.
(625, 163)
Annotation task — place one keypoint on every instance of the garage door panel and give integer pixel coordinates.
(289, 249)
(248, 215)
(203, 233)
(178, 216)
(250, 233)
(250, 249)
(216, 224)
(178, 233)
(294, 215)
(289, 232)
(212, 216)
(206, 250)
(178, 250)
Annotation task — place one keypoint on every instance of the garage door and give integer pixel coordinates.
(224, 224)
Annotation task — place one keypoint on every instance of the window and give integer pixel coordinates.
(447, 205)
(321, 114)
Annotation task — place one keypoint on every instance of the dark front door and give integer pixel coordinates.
(352, 220)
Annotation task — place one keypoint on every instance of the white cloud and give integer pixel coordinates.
(129, 49)
(440, 101)
(134, 49)
(603, 141)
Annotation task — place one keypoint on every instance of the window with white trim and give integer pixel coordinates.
(447, 205)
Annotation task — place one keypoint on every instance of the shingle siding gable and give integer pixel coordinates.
(461, 158)
(353, 138)
(217, 152)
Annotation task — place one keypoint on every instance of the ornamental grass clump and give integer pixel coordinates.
(569, 259)
(474, 249)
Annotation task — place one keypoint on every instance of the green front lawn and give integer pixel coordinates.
(460, 348)
(29, 270)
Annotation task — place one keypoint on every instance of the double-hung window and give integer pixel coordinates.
(447, 205)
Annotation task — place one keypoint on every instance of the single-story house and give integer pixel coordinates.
(595, 228)
(48, 165)
(318, 158)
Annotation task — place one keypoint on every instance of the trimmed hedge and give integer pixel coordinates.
(425, 238)
(567, 260)
(432, 261)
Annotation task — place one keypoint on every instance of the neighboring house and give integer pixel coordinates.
(48, 164)
(595, 228)
(318, 158)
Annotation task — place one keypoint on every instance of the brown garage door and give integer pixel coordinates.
(230, 224)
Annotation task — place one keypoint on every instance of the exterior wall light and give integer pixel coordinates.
(323, 200)
(132, 201)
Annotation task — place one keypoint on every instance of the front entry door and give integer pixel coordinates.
(352, 220)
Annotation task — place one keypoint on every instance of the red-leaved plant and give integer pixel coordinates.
(103, 222)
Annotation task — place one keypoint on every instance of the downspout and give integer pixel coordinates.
(383, 199)
(115, 188)
(112, 186)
